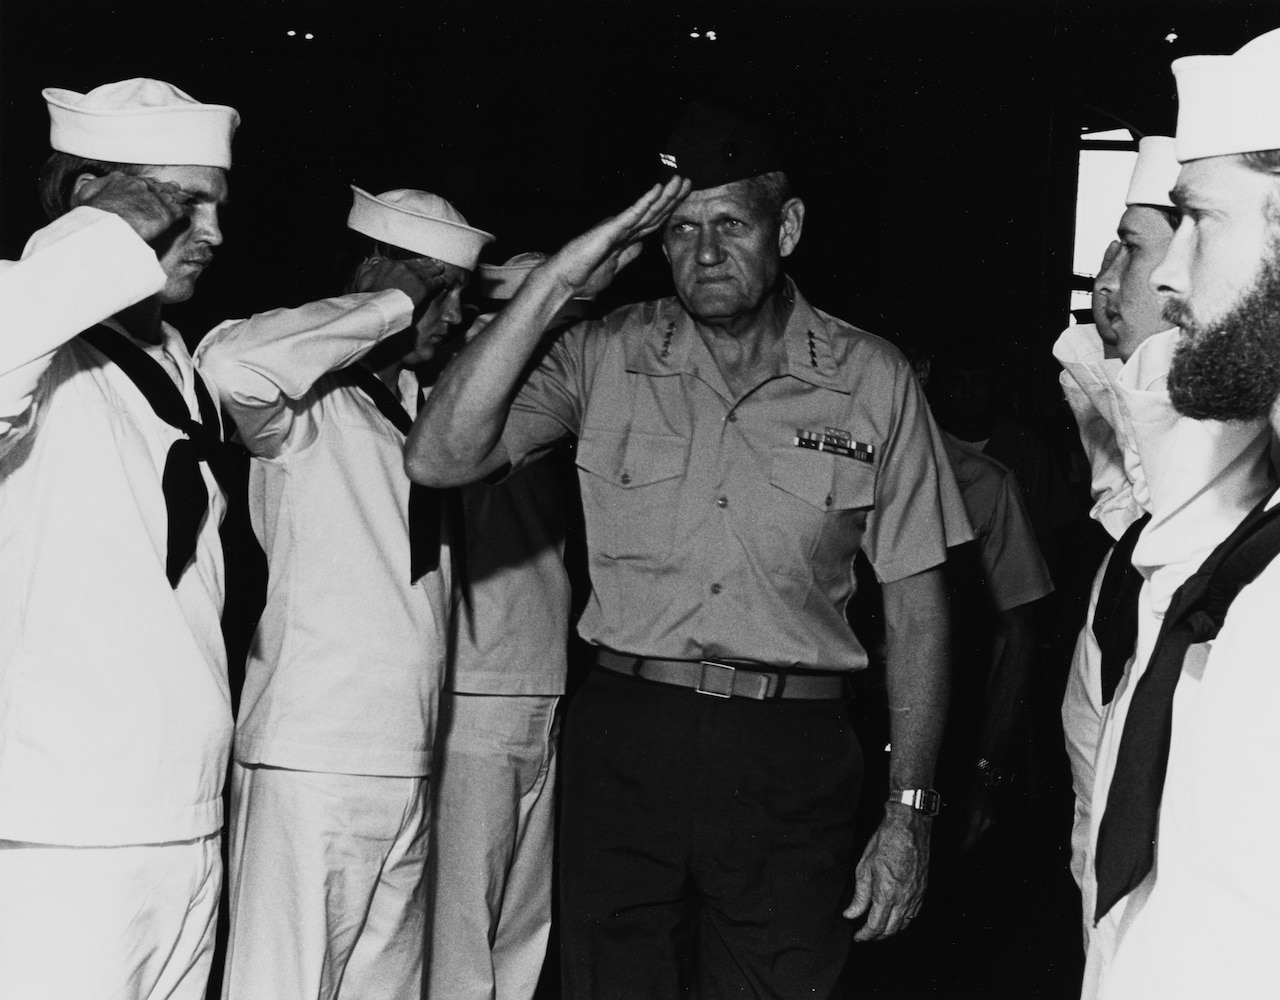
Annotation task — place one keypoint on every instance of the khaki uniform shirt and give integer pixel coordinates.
(510, 625)
(1014, 570)
(711, 533)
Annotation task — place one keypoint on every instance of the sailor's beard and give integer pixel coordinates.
(1229, 369)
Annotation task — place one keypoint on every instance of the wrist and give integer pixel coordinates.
(550, 283)
(922, 801)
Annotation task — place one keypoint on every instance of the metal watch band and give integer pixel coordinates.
(924, 800)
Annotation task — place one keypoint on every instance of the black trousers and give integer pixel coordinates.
(706, 844)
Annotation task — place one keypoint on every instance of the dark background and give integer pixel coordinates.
(934, 143)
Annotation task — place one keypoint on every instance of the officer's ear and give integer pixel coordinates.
(792, 222)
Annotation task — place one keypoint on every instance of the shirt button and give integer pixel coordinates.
(716, 588)
(722, 502)
(625, 478)
(732, 418)
(828, 501)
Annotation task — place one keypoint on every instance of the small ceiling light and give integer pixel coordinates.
(291, 33)
(711, 36)
(694, 33)
(1171, 37)
(308, 36)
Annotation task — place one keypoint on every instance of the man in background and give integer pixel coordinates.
(494, 824)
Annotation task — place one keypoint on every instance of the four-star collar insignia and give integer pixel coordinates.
(836, 441)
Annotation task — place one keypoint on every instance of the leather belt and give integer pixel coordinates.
(728, 680)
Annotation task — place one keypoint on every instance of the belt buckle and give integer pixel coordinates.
(716, 679)
(723, 680)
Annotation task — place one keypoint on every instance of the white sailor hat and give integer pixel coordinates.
(1155, 173)
(418, 221)
(502, 281)
(140, 121)
(1229, 104)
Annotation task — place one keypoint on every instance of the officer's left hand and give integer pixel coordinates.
(892, 874)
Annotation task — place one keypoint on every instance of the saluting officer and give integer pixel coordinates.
(736, 447)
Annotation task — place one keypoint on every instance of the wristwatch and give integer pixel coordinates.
(924, 800)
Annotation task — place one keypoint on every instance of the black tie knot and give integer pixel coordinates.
(1202, 626)
(427, 507)
(1115, 618)
(185, 494)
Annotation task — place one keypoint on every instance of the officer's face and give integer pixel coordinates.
(1132, 308)
(725, 253)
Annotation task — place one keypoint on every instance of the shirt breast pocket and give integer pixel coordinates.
(819, 503)
(631, 484)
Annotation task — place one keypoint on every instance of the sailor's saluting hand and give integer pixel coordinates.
(150, 206)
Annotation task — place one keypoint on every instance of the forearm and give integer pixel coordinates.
(1008, 682)
(282, 353)
(917, 636)
(457, 438)
(892, 874)
(74, 273)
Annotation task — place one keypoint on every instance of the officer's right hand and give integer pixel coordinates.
(421, 278)
(588, 263)
(150, 206)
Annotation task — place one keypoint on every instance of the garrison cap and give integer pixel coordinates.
(713, 146)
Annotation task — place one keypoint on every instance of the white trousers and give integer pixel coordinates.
(327, 886)
(494, 834)
(108, 923)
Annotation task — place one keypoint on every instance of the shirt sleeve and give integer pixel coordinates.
(81, 269)
(264, 367)
(1014, 568)
(919, 512)
(549, 404)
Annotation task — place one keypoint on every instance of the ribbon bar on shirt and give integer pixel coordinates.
(836, 441)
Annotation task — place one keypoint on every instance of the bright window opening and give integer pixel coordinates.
(1106, 163)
